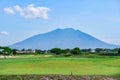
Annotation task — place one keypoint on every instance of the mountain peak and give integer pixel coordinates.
(66, 29)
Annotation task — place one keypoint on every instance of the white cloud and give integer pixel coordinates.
(9, 10)
(4, 33)
(30, 11)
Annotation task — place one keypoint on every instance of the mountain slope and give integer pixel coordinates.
(62, 38)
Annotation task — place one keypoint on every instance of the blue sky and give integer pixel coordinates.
(20, 19)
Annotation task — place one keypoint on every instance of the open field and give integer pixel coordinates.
(20, 65)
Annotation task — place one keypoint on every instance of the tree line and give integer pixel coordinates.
(75, 51)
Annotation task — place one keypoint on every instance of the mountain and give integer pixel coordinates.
(62, 38)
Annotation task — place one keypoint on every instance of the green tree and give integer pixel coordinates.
(14, 51)
(65, 51)
(98, 50)
(38, 51)
(56, 51)
(76, 51)
(6, 51)
(86, 50)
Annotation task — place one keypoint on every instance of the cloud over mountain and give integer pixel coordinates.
(29, 11)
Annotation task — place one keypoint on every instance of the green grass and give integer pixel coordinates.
(45, 65)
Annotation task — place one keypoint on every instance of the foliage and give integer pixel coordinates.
(86, 50)
(38, 51)
(67, 55)
(14, 51)
(76, 51)
(119, 51)
(64, 52)
(56, 51)
(6, 50)
(98, 50)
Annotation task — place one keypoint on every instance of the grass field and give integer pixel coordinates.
(49, 65)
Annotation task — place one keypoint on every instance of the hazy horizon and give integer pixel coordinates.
(22, 19)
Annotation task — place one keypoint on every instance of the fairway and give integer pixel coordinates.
(64, 66)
